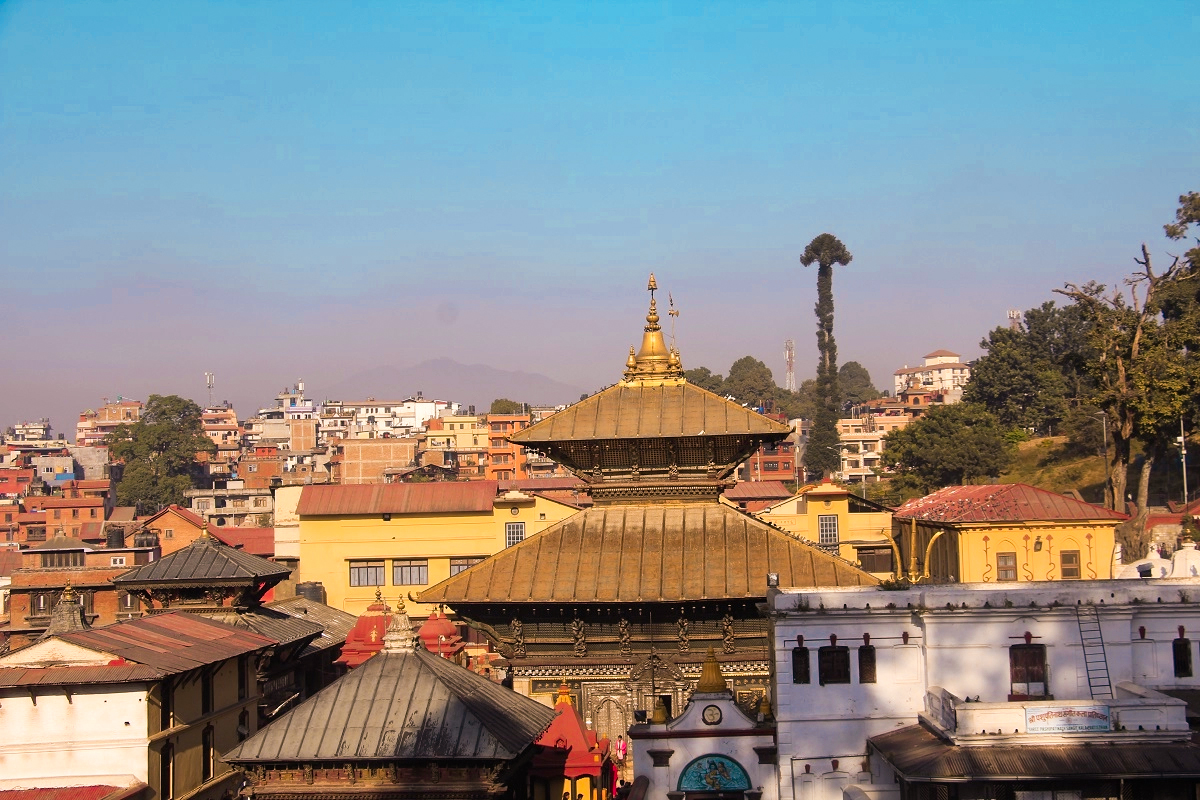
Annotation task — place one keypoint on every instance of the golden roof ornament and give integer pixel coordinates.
(69, 595)
(712, 681)
(659, 715)
(655, 361)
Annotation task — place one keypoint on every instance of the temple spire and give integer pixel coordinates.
(400, 636)
(655, 361)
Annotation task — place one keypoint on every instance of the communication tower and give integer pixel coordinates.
(789, 351)
(1014, 319)
(210, 380)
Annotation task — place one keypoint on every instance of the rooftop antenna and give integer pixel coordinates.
(210, 379)
(1014, 319)
(789, 350)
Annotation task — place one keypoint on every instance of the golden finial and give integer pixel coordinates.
(652, 286)
(711, 679)
(68, 594)
(654, 361)
(378, 596)
(631, 362)
(659, 717)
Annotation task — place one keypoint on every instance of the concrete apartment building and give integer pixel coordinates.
(95, 425)
(458, 441)
(365, 460)
(372, 418)
(232, 503)
(943, 371)
(506, 461)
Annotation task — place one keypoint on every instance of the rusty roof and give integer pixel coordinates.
(647, 553)
(444, 497)
(256, 541)
(172, 642)
(73, 676)
(93, 792)
(757, 490)
(204, 561)
(402, 706)
(335, 623)
(918, 754)
(639, 410)
(1009, 502)
(283, 628)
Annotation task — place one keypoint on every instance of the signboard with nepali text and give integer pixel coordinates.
(1066, 719)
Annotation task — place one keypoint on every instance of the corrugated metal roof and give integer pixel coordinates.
(1010, 502)
(71, 676)
(647, 553)
(256, 541)
(205, 560)
(95, 792)
(444, 497)
(283, 628)
(636, 410)
(334, 622)
(919, 754)
(757, 490)
(171, 642)
(402, 706)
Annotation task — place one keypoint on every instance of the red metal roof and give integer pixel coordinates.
(171, 642)
(73, 676)
(64, 502)
(397, 498)
(256, 541)
(758, 490)
(74, 792)
(1009, 502)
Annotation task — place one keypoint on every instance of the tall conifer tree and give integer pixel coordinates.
(821, 455)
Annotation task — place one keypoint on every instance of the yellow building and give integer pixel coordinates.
(1005, 533)
(400, 538)
(838, 522)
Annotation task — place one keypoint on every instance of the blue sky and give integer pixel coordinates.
(273, 190)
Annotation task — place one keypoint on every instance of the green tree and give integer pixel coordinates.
(855, 385)
(1017, 382)
(821, 455)
(502, 405)
(750, 381)
(705, 379)
(948, 445)
(158, 453)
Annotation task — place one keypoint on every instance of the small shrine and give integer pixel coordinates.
(365, 639)
(713, 749)
(574, 761)
(440, 636)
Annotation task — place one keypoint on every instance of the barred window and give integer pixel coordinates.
(1027, 667)
(875, 559)
(800, 668)
(1006, 566)
(458, 565)
(833, 664)
(827, 528)
(514, 533)
(366, 573)
(1069, 559)
(866, 664)
(1181, 654)
(410, 572)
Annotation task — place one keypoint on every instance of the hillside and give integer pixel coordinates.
(1045, 464)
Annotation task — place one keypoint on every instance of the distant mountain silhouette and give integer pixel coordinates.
(446, 379)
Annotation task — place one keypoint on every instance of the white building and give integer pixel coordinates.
(855, 669)
(941, 372)
(376, 419)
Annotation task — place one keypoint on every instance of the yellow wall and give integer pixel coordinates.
(968, 553)
(799, 515)
(329, 544)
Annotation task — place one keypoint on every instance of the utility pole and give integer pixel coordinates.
(1183, 458)
(1109, 502)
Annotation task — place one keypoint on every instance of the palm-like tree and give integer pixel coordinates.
(822, 454)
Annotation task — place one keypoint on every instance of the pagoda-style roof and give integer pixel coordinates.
(403, 704)
(205, 562)
(652, 429)
(647, 553)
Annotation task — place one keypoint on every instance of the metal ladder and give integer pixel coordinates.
(1094, 658)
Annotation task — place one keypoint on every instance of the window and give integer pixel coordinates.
(117, 561)
(514, 533)
(366, 573)
(458, 565)
(88, 601)
(800, 668)
(166, 763)
(69, 559)
(866, 664)
(410, 572)
(1069, 559)
(58, 513)
(127, 602)
(260, 502)
(207, 755)
(74, 513)
(92, 513)
(1027, 668)
(833, 664)
(827, 528)
(169, 533)
(39, 604)
(1006, 566)
(1181, 653)
(875, 559)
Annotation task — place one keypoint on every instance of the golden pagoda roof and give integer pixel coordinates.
(653, 400)
(625, 553)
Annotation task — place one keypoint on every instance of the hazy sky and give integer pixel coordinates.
(282, 190)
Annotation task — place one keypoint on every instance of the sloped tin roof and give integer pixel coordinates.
(1010, 502)
(402, 706)
(635, 410)
(444, 497)
(757, 490)
(334, 622)
(648, 553)
(265, 621)
(171, 642)
(204, 560)
(919, 754)
(73, 676)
